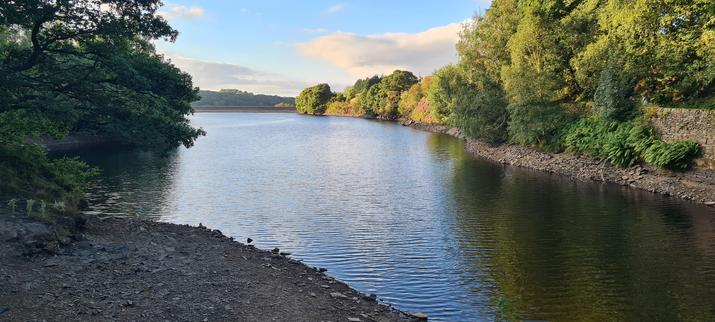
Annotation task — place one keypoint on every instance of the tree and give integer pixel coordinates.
(483, 42)
(382, 99)
(314, 100)
(447, 88)
(84, 66)
(412, 97)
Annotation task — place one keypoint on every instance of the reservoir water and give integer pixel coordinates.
(412, 217)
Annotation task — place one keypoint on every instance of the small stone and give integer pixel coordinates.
(421, 316)
(354, 320)
(338, 295)
(710, 203)
(276, 250)
(249, 240)
(285, 253)
(312, 294)
(324, 286)
(322, 269)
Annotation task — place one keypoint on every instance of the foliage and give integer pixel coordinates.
(339, 107)
(482, 112)
(422, 113)
(538, 125)
(611, 98)
(234, 97)
(527, 68)
(314, 100)
(361, 85)
(84, 66)
(627, 143)
(676, 155)
(447, 89)
(381, 99)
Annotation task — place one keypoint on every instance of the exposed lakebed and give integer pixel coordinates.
(412, 217)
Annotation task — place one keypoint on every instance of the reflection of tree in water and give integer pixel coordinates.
(560, 250)
(132, 182)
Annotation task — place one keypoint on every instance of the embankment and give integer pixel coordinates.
(697, 185)
(113, 269)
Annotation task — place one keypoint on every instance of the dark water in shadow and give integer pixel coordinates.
(410, 216)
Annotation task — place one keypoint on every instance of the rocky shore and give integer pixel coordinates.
(114, 269)
(696, 185)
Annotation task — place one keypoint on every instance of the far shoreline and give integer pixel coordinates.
(242, 109)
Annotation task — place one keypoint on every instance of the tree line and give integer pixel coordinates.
(85, 66)
(235, 97)
(573, 76)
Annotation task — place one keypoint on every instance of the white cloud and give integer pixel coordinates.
(217, 75)
(338, 7)
(183, 12)
(361, 56)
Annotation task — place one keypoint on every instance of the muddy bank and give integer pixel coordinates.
(697, 185)
(112, 269)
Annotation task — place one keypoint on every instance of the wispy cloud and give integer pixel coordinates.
(315, 30)
(362, 56)
(217, 75)
(182, 12)
(338, 7)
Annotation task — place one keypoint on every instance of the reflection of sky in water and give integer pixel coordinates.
(410, 216)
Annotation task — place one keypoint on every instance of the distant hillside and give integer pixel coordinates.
(234, 97)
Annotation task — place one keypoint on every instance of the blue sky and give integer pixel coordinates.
(279, 47)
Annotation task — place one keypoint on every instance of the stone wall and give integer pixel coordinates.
(696, 125)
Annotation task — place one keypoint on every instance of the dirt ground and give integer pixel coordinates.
(115, 269)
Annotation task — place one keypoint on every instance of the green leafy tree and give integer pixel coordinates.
(447, 89)
(314, 100)
(84, 66)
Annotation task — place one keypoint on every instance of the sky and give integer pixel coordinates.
(280, 47)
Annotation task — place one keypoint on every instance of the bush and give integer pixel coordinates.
(627, 143)
(616, 149)
(676, 155)
(611, 98)
(539, 125)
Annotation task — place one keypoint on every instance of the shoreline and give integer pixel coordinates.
(106, 268)
(696, 185)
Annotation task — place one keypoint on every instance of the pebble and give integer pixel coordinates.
(338, 295)
(420, 316)
(354, 320)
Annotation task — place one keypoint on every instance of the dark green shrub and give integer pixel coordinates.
(539, 125)
(611, 98)
(480, 111)
(588, 136)
(620, 143)
(641, 136)
(676, 155)
(616, 148)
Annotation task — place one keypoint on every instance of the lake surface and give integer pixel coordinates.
(412, 217)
